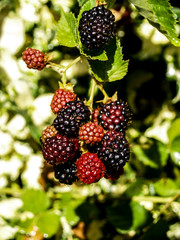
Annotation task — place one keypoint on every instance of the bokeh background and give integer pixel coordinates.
(144, 203)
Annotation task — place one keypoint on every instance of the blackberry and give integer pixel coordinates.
(66, 173)
(60, 98)
(90, 168)
(34, 59)
(96, 27)
(49, 131)
(70, 118)
(113, 150)
(114, 175)
(91, 133)
(95, 114)
(59, 149)
(114, 116)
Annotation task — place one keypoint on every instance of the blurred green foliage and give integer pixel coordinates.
(145, 202)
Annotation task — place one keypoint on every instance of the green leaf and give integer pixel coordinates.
(156, 231)
(175, 151)
(35, 201)
(48, 223)
(110, 3)
(160, 15)
(128, 216)
(166, 187)
(94, 55)
(86, 7)
(149, 156)
(135, 188)
(81, 2)
(174, 130)
(66, 30)
(115, 68)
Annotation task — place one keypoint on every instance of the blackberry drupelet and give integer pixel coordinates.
(114, 116)
(59, 149)
(90, 168)
(34, 59)
(60, 98)
(91, 133)
(70, 118)
(96, 27)
(49, 131)
(66, 173)
(113, 150)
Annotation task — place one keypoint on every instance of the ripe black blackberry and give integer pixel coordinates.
(114, 116)
(70, 118)
(113, 150)
(96, 27)
(59, 149)
(114, 175)
(66, 173)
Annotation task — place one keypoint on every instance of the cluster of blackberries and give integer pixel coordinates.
(86, 146)
(96, 27)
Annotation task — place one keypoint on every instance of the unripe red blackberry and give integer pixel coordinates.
(60, 98)
(113, 150)
(66, 172)
(95, 114)
(114, 116)
(59, 149)
(96, 27)
(90, 168)
(91, 133)
(34, 59)
(70, 118)
(49, 131)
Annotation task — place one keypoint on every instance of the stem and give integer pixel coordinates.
(62, 69)
(153, 199)
(72, 63)
(91, 98)
(100, 86)
(173, 199)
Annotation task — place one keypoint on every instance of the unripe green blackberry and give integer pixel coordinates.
(60, 149)
(91, 133)
(96, 27)
(70, 118)
(49, 131)
(60, 98)
(66, 172)
(114, 116)
(34, 59)
(90, 168)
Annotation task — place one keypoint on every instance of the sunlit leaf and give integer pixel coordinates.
(66, 30)
(174, 130)
(48, 223)
(35, 201)
(175, 151)
(160, 15)
(165, 187)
